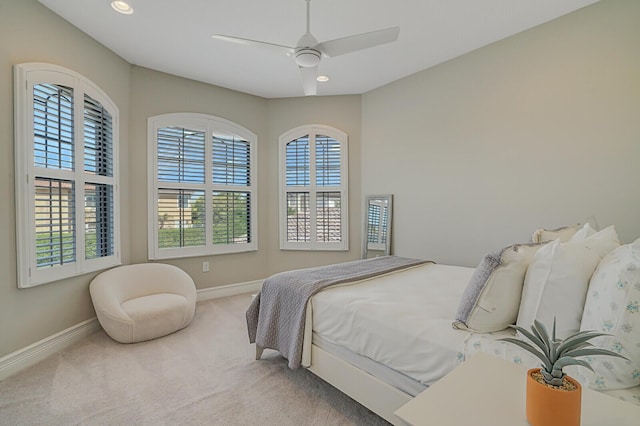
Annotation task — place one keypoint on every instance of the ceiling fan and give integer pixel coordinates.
(308, 52)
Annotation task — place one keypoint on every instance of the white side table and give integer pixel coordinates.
(486, 390)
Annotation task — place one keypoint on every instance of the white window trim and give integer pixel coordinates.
(25, 77)
(210, 124)
(313, 130)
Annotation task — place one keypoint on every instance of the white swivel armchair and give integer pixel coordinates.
(143, 301)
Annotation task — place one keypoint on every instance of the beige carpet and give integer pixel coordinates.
(202, 375)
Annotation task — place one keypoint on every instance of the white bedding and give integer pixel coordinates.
(402, 320)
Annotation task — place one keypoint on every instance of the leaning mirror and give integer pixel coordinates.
(377, 226)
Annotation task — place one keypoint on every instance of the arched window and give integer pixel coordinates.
(313, 189)
(66, 175)
(202, 191)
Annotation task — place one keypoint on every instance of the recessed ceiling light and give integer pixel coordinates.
(122, 7)
(323, 78)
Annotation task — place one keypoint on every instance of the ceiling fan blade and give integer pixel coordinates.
(340, 46)
(249, 42)
(309, 82)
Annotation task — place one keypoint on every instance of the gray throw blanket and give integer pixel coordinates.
(276, 317)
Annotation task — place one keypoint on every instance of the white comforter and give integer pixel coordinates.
(402, 320)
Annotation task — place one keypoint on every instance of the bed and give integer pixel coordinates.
(385, 338)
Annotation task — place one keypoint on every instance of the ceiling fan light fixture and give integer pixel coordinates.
(122, 7)
(307, 57)
(308, 53)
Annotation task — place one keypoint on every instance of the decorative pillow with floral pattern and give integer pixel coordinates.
(613, 307)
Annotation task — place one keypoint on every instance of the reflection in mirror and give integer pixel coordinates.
(377, 228)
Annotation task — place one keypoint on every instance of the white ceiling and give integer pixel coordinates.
(173, 36)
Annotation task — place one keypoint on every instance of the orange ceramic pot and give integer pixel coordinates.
(547, 406)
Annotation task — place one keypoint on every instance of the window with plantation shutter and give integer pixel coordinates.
(202, 186)
(313, 189)
(66, 175)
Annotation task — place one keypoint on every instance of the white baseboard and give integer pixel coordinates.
(26, 357)
(228, 290)
(36, 352)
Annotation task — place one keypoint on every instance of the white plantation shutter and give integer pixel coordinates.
(99, 220)
(55, 225)
(175, 208)
(66, 143)
(181, 155)
(98, 134)
(373, 223)
(298, 162)
(231, 217)
(329, 213)
(54, 199)
(180, 159)
(99, 202)
(377, 220)
(328, 161)
(298, 217)
(231, 161)
(202, 183)
(313, 189)
(384, 226)
(53, 145)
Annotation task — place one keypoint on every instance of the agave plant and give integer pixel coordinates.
(556, 354)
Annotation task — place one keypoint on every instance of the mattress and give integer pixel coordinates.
(401, 320)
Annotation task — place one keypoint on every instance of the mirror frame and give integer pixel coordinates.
(365, 240)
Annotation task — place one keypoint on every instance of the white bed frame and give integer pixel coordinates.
(378, 396)
(375, 394)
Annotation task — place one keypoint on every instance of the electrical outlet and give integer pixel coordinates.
(205, 266)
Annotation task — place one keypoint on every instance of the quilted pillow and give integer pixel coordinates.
(546, 235)
(492, 297)
(613, 307)
(556, 285)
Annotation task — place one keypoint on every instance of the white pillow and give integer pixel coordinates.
(556, 286)
(564, 234)
(613, 307)
(603, 242)
(492, 297)
(585, 231)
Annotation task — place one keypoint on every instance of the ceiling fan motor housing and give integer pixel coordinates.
(307, 57)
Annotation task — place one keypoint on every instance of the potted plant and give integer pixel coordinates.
(553, 398)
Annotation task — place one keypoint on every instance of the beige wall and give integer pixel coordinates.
(154, 93)
(342, 113)
(31, 33)
(540, 129)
